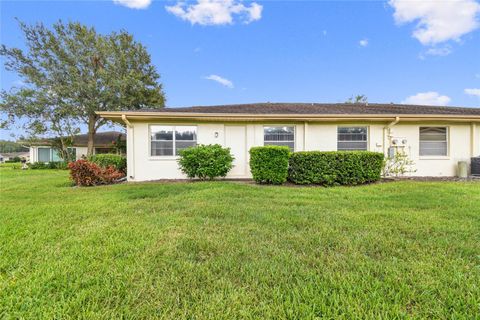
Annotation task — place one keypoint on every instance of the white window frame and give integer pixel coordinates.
(355, 126)
(173, 126)
(52, 150)
(447, 137)
(281, 125)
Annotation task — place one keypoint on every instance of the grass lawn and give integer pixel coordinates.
(223, 250)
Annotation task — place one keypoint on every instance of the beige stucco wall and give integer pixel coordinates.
(308, 136)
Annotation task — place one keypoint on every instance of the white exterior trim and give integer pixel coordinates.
(309, 136)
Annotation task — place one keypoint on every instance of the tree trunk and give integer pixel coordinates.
(91, 134)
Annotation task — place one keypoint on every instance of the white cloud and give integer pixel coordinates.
(431, 98)
(216, 12)
(438, 21)
(472, 92)
(134, 4)
(363, 42)
(442, 51)
(225, 82)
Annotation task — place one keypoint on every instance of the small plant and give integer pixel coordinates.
(398, 165)
(110, 160)
(206, 161)
(269, 164)
(85, 173)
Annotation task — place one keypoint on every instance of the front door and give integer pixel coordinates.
(235, 139)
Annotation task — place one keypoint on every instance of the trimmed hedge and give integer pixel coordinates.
(205, 161)
(109, 160)
(335, 167)
(269, 164)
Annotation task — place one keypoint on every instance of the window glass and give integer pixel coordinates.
(279, 136)
(169, 140)
(352, 138)
(44, 154)
(433, 141)
(185, 136)
(56, 155)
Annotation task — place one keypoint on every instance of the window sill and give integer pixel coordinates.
(163, 158)
(434, 158)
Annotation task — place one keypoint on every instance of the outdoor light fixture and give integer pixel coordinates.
(216, 134)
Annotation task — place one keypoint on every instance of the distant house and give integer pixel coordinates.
(104, 142)
(8, 156)
(435, 138)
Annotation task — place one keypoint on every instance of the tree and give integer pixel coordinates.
(359, 98)
(70, 72)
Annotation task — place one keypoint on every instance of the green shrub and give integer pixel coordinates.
(49, 165)
(206, 161)
(110, 160)
(269, 164)
(335, 168)
(37, 165)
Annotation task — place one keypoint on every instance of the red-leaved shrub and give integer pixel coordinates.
(85, 173)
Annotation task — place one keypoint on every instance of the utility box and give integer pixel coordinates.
(475, 166)
(462, 169)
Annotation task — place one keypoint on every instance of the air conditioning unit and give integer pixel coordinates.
(475, 166)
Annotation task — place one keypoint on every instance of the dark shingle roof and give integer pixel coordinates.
(324, 108)
(100, 139)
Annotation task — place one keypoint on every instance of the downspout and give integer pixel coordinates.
(305, 135)
(387, 134)
(130, 136)
(473, 142)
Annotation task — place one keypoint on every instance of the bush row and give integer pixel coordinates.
(49, 165)
(275, 165)
(335, 167)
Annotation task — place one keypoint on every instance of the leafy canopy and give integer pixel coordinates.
(71, 71)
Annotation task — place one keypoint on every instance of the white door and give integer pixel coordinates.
(236, 140)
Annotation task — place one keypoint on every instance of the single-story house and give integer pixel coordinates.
(103, 142)
(435, 138)
(7, 156)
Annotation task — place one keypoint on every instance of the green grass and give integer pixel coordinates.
(223, 250)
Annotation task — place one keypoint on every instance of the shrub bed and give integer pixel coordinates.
(269, 164)
(335, 168)
(110, 160)
(49, 165)
(206, 161)
(85, 173)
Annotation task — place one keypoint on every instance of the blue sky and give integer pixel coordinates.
(220, 52)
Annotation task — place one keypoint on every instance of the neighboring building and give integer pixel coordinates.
(435, 138)
(6, 156)
(104, 142)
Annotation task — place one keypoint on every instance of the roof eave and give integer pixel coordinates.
(143, 116)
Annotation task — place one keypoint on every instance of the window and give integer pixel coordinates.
(352, 138)
(279, 136)
(433, 141)
(44, 154)
(169, 140)
(50, 154)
